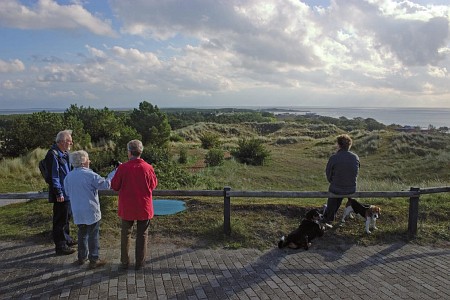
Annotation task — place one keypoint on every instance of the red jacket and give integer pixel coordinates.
(135, 181)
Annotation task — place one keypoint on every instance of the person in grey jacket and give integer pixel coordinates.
(342, 172)
(82, 185)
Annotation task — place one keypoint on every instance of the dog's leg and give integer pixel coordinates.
(282, 243)
(374, 223)
(307, 244)
(368, 225)
(347, 211)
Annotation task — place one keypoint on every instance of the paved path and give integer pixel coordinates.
(398, 271)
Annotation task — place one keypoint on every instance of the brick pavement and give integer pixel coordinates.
(395, 271)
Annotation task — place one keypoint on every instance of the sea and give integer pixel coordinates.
(404, 116)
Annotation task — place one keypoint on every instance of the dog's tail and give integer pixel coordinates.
(282, 242)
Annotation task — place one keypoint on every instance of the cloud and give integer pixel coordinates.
(11, 66)
(254, 51)
(48, 14)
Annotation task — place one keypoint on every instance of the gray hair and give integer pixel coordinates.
(62, 135)
(135, 147)
(78, 158)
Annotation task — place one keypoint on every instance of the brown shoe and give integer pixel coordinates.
(97, 264)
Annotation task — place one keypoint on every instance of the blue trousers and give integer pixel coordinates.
(88, 241)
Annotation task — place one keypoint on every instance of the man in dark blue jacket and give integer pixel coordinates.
(60, 167)
(342, 172)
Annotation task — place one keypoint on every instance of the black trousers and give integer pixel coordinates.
(333, 205)
(62, 213)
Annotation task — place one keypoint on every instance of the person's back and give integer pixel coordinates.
(135, 181)
(342, 172)
(82, 185)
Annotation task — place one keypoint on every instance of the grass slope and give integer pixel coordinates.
(390, 161)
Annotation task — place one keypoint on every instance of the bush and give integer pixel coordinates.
(214, 158)
(251, 152)
(210, 140)
(171, 176)
(183, 156)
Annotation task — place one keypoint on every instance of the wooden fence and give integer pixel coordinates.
(227, 193)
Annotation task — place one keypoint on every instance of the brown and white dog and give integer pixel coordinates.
(369, 212)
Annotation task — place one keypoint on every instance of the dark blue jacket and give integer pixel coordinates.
(60, 167)
(342, 171)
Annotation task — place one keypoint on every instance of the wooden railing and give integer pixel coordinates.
(413, 194)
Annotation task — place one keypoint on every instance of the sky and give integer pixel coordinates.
(224, 53)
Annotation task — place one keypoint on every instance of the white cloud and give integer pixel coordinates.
(205, 50)
(437, 72)
(48, 14)
(12, 66)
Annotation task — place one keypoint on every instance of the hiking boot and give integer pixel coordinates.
(97, 264)
(65, 251)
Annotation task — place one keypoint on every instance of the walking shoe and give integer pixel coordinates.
(65, 251)
(138, 267)
(79, 262)
(97, 264)
(72, 243)
(123, 266)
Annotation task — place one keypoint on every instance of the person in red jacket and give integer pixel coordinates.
(134, 180)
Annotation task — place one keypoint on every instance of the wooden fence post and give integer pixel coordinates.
(413, 212)
(226, 211)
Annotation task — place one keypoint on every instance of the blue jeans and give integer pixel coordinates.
(88, 241)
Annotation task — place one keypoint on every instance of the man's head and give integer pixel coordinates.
(344, 142)
(135, 148)
(80, 159)
(64, 140)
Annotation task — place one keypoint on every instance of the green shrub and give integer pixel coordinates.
(214, 157)
(210, 140)
(251, 152)
(176, 138)
(183, 156)
(171, 176)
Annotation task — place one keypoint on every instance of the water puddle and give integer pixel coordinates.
(164, 207)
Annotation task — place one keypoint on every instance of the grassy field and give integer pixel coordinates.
(390, 161)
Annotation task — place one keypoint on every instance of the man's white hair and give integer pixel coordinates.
(61, 136)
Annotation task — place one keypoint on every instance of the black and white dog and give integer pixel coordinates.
(308, 230)
(369, 212)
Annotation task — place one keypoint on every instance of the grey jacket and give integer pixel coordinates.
(342, 171)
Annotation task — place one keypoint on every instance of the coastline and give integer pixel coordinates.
(404, 116)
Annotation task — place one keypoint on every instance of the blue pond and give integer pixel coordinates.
(168, 207)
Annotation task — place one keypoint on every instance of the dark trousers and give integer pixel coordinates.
(88, 241)
(141, 241)
(333, 205)
(61, 230)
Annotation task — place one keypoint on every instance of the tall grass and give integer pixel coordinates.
(389, 162)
